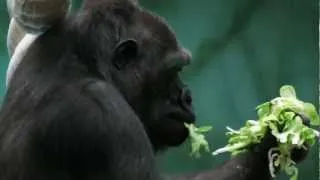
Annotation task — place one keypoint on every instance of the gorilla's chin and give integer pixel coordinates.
(170, 131)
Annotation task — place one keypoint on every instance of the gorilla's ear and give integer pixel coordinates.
(124, 53)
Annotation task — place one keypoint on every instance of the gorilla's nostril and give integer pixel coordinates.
(186, 97)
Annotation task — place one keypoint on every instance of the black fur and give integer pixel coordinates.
(97, 96)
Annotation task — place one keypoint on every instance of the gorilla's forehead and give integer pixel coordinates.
(159, 29)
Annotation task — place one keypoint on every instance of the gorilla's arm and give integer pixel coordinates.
(14, 36)
(122, 123)
(95, 127)
(250, 166)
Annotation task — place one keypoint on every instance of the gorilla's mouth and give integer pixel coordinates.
(169, 129)
(182, 116)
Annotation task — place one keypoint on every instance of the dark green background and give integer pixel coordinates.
(243, 50)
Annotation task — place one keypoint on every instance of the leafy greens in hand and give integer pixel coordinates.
(282, 116)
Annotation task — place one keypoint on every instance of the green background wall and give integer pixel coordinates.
(243, 50)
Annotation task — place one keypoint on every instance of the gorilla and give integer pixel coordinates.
(98, 95)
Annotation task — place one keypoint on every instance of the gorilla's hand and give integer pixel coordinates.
(37, 16)
(269, 141)
(298, 155)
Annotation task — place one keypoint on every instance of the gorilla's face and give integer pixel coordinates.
(169, 104)
(147, 68)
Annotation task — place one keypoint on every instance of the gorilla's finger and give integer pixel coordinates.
(305, 119)
(299, 154)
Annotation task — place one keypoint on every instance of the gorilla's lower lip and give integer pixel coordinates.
(182, 117)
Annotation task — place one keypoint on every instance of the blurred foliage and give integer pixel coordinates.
(243, 50)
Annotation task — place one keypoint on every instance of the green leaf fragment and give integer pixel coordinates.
(264, 109)
(287, 91)
(204, 129)
(197, 139)
(311, 112)
(292, 171)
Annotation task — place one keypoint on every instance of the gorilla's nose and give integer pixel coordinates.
(186, 98)
(185, 101)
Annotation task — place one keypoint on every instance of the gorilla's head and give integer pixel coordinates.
(145, 62)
